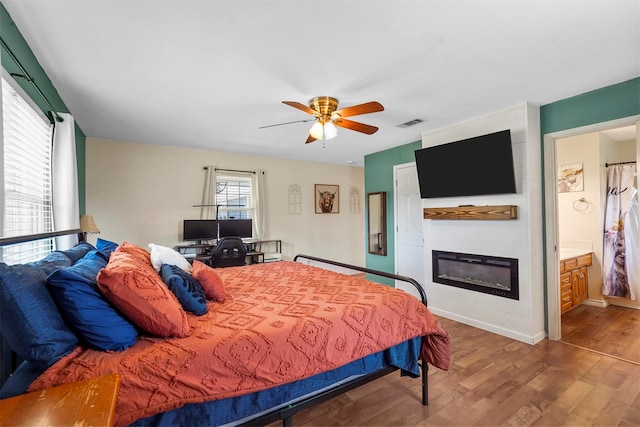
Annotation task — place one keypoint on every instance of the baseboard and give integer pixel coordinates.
(489, 327)
(596, 303)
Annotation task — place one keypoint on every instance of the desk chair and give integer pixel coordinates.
(229, 252)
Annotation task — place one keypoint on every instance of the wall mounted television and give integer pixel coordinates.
(236, 227)
(199, 230)
(481, 165)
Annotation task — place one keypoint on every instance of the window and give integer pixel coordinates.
(26, 186)
(234, 197)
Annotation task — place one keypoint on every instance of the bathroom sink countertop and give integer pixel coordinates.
(566, 253)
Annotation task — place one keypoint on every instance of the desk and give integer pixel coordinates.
(90, 402)
(258, 251)
(255, 256)
(272, 250)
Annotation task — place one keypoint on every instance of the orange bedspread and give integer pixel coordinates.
(281, 322)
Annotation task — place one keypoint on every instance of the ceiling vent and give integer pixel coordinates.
(410, 123)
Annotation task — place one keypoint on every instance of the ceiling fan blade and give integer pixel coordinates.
(310, 139)
(356, 110)
(286, 123)
(358, 127)
(302, 107)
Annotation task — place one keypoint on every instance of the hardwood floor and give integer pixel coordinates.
(612, 330)
(495, 381)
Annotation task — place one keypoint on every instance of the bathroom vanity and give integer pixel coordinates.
(574, 278)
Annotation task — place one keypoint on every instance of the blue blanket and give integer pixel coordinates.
(218, 412)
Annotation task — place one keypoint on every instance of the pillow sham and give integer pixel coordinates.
(90, 315)
(163, 255)
(185, 288)
(29, 318)
(131, 284)
(137, 251)
(106, 246)
(78, 251)
(211, 282)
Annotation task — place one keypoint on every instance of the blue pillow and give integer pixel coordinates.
(106, 246)
(185, 288)
(29, 318)
(52, 262)
(78, 251)
(90, 315)
(20, 380)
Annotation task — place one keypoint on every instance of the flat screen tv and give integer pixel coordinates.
(199, 230)
(236, 227)
(481, 165)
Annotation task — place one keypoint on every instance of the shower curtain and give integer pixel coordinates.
(618, 253)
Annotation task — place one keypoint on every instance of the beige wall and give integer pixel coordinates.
(141, 193)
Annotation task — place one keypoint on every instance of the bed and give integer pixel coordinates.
(271, 339)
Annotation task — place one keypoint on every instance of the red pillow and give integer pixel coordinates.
(211, 282)
(137, 251)
(131, 284)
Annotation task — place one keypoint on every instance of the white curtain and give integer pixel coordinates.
(208, 208)
(617, 251)
(259, 221)
(632, 239)
(64, 177)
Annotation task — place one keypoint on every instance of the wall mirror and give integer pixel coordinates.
(377, 219)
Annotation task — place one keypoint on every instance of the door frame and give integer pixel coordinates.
(395, 214)
(552, 260)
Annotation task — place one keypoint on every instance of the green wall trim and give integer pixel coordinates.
(378, 176)
(600, 105)
(14, 40)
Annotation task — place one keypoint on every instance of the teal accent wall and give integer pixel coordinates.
(600, 105)
(13, 39)
(378, 176)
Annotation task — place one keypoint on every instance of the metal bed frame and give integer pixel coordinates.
(286, 413)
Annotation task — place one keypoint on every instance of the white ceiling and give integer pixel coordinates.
(208, 74)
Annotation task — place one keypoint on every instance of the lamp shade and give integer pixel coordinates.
(326, 130)
(330, 130)
(317, 130)
(87, 225)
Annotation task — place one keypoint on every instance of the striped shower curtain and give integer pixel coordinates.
(619, 269)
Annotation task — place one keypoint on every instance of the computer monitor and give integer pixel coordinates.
(199, 230)
(236, 227)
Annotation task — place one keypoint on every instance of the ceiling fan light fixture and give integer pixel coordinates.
(317, 130)
(330, 130)
(323, 130)
(328, 118)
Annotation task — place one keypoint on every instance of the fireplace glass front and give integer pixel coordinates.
(481, 273)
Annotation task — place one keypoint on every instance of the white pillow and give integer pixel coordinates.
(164, 255)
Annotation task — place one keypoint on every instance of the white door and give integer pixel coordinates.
(409, 235)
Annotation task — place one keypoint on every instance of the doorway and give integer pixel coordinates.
(555, 239)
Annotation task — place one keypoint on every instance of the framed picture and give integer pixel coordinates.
(327, 198)
(570, 178)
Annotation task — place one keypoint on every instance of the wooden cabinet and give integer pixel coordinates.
(566, 292)
(574, 281)
(579, 285)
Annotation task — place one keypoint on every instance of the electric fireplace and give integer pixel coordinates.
(480, 273)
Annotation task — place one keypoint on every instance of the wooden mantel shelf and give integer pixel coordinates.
(473, 212)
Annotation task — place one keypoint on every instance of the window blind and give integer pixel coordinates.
(233, 195)
(27, 176)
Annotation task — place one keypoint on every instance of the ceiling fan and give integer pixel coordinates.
(327, 116)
